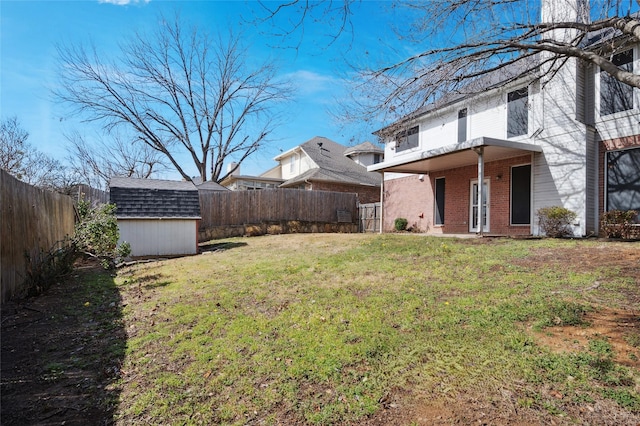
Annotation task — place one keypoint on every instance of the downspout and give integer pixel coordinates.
(480, 152)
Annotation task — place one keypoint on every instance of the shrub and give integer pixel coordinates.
(556, 221)
(46, 267)
(401, 224)
(97, 233)
(618, 223)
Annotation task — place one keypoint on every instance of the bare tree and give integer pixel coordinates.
(460, 41)
(25, 162)
(98, 161)
(179, 93)
(14, 148)
(334, 15)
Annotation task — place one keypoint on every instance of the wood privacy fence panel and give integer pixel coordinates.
(370, 217)
(33, 221)
(237, 208)
(95, 196)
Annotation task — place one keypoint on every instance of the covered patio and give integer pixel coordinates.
(478, 152)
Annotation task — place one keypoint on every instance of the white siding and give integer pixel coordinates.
(560, 172)
(301, 164)
(159, 237)
(441, 130)
(488, 117)
(365, 159)
(592, 216)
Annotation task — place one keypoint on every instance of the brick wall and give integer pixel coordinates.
(409, 198)
(413, 199)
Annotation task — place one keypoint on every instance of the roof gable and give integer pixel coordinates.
(332, 165)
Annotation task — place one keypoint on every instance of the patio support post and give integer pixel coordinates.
(381, 202)
(480, 151)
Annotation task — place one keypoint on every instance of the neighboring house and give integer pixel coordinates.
(238, 182)
(208, 185)
(534, 140)
(321, 164)
(157, 217)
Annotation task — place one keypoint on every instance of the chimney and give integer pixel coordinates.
(565, 11)
(230, 169)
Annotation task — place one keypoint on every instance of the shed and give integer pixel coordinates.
(157, 217)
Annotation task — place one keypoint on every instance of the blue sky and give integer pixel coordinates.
(30, 31)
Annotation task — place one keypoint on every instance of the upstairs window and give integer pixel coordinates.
(377, 158)
(616, 96)
(462, 125)
(518, 112)
(407, 139)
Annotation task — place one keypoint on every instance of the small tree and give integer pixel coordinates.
(556, 221)
(97, 233)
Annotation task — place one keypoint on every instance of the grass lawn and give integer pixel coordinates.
(383, 329)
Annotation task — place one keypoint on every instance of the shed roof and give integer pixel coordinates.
(154, 198)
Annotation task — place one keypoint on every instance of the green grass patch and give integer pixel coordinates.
(318, 328)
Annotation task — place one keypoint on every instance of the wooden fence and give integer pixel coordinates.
(370, 217)
(233, 213)
(95, 196)
(33, 221)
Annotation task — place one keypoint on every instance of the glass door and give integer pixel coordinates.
(473, 208)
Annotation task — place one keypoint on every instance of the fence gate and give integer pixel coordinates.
(370, 217)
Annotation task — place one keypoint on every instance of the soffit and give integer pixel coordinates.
(454, 156)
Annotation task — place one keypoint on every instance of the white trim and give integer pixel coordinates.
(524, 136)
(452, 149)
(487, 217)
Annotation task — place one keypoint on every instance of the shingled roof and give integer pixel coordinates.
(363, 148)
(154, 198)
(333, 166)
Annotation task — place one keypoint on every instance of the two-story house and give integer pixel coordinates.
(569, 138)
(320, 164)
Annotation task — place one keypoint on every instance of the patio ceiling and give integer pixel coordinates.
(457, 155)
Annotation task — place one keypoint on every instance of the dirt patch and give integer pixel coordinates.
(61, 354)
(620, 328)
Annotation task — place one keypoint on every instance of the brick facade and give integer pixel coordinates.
(413, 199)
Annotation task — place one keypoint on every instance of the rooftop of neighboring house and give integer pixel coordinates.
(154, 198)
(363, 148)
(331, 165)
(208, 185)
